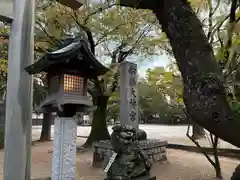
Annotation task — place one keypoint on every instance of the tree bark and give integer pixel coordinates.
(46, 127)
(236, 173)
(217, 164)
(204, 94)
(99, 129)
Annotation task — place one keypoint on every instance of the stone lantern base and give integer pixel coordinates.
(64, 149)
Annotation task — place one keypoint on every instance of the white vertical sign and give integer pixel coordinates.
(128, 94)
(111, 160)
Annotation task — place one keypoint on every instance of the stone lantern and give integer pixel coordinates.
(68, 68)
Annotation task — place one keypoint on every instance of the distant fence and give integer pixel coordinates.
(35, 121)
(38, 122)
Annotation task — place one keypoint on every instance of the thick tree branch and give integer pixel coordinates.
(233, 10)
(216, 7)
(52, 38)
(232, 22)
(101, 9)
(235, 56)
(105, 34)
(98, 85)
(116, 51)
(122, 55)
(192, 52)
(226, 47)
(91, 92)
(198, 145)
(93, 88)
(210, 23)
(87, 31)
(115, 83)
(105, 46)
(219, 38)
(231, 26)
(217, 26)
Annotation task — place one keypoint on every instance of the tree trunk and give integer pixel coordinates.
(99, 129)
(236, 173)
(46, 127)
(217, 165)
(198, 131)
(236, 86)
(204, 94)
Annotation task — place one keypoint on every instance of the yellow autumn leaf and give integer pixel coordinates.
(180, 100)
(168, 76)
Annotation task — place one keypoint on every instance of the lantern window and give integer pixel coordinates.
(73, 84)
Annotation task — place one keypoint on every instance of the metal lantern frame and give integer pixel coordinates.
(65, 89)
(68, 69)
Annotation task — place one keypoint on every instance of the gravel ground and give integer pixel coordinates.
(181, 165)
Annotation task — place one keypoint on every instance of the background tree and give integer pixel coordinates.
(113, 107)
(192, 57)
(203, 85)
(160, 94)
(4, 29)
(128, 40)
(39, 89)
(114, 35)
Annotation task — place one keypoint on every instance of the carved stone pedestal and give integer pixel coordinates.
(64, 149)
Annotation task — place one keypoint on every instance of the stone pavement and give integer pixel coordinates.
(173, 134)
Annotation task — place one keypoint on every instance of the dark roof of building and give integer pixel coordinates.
(73, 57)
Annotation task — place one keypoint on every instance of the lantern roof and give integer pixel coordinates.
(73, 57)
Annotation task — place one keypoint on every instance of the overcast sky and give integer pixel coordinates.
(157, 61)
